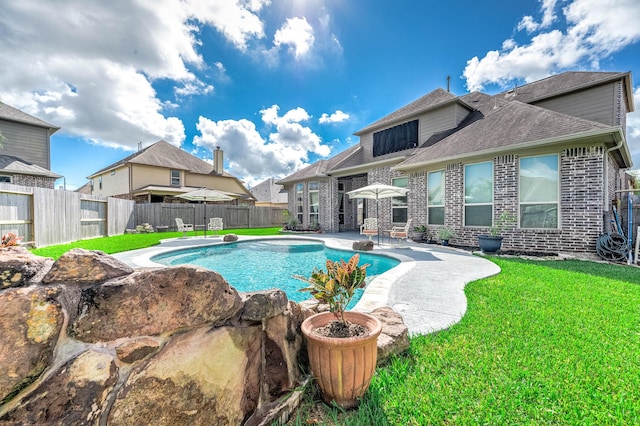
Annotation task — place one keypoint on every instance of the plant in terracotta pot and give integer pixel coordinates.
(492, 242)
(342, 345)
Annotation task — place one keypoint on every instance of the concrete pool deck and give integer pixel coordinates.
(427, 288)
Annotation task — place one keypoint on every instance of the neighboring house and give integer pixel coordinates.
(25, 156)
(270, 194)
(551, 153)
(162, 171)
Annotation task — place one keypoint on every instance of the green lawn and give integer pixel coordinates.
(543, 342)
(126, 242)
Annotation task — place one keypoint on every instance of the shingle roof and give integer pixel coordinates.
(163, 154)
(436, 98)
(513, 123)
(269, 191)
(556, 85)
(10, 113)
(13, 164)
(320, 167)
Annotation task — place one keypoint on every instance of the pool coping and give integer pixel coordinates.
(426, 288)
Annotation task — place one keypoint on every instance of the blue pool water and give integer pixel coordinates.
(260, 265)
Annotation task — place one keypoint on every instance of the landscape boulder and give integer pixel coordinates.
(19, 267)
(85, 266)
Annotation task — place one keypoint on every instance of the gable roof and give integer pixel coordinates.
(564, 83)
(13, 164)
(510, 125)
(163, 154)
(320, 167)
(435, 99)
(269, 191)
(10, 113)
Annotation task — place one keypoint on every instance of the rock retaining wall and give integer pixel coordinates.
(88, 340)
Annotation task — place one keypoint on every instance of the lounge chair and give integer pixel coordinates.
(369, 227)
(183, 227)
(215, 224)
(400, 232)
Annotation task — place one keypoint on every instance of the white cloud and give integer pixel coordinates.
(250, 156)
(336, 117)
(595, 29)
(91, 70)
(633, 129)
(297, 34)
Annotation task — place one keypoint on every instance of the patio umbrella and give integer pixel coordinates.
(377, 191)
(204, 195)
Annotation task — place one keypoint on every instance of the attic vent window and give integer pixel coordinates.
(397, 138)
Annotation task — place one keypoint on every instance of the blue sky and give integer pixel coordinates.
(279, 84)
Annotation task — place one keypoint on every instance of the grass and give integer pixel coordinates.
(120, 243)
(543, 342)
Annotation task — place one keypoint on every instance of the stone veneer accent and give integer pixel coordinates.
(33, 181)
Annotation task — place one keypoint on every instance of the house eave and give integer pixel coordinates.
(576, 138)
(363, 168)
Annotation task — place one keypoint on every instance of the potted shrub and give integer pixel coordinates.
(342, 345)
(418, 232)
(444, 234)
(492, 242)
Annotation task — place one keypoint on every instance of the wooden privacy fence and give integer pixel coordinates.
(47, 216)
(165, 214)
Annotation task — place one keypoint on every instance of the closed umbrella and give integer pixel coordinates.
(204, 195)
(377, 191)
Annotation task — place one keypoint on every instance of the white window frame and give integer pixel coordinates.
(523, 223)
(7, 176)
(314, 188)
(299, 202)
(400, 203)
(433, 206)
(479, 204)
(175, 180)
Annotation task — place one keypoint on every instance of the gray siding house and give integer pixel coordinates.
(551, 154)
(25, 156)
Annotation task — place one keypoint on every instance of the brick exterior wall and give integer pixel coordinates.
(34, 181)
(581, 202)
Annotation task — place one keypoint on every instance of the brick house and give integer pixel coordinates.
(25, 156)
(552, 153)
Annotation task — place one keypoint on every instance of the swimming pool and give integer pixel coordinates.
(261, 265)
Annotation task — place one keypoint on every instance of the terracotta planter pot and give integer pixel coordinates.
(342, 367)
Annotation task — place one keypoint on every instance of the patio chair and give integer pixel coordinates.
(183, 227)
(369, 227)
(400, 232)
(215, 224)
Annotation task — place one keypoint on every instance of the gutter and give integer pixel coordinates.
(605, 174)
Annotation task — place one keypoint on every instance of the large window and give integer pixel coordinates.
(435, 198)
(538, 190)
(175, 177)
(396, 138)
(314, 203)
(478, 194)
(399, 204)
(341, 203)
(300, 203)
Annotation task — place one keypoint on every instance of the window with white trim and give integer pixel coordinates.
(175, 178)
(5, 178)
(399, 204)
(300, 203)
(314, 202)
(539, 191)
(435, 198)
(478, 194)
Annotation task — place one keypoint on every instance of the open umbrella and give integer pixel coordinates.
(377, 191)
(204, 195)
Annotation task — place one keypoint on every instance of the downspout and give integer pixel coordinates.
(605, 171)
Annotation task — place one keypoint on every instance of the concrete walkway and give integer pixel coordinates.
(427, 288)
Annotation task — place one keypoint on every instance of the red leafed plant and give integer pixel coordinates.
(10, 239)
